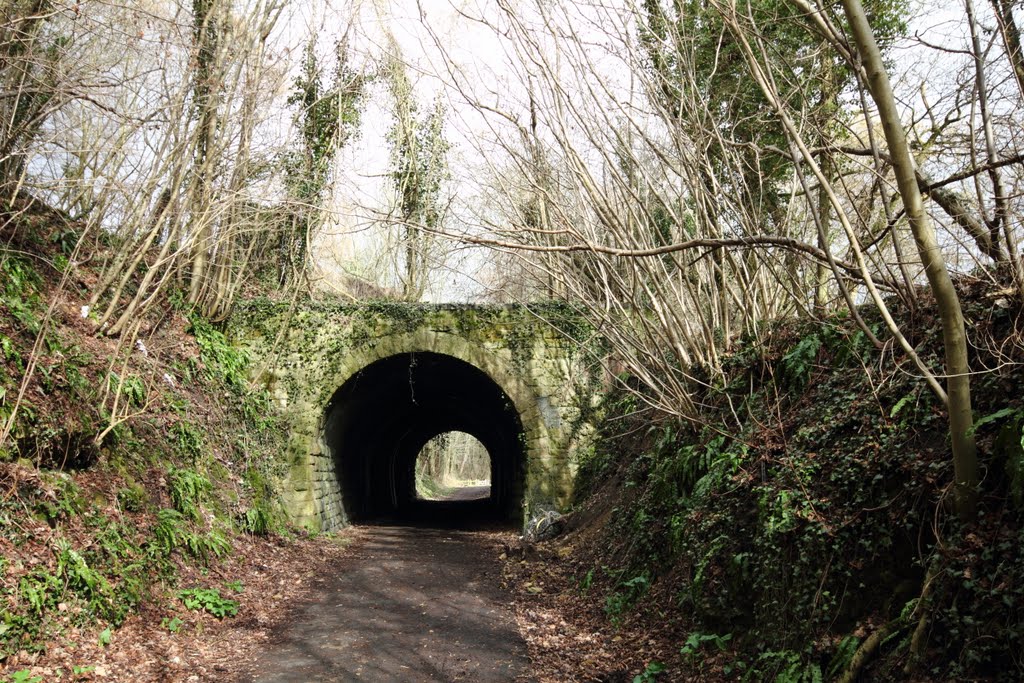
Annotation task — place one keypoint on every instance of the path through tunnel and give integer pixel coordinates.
(379, 420)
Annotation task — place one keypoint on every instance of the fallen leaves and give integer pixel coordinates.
(275, 574)
(570, 638)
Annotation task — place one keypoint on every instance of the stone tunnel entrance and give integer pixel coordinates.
(361, 388)
(379, 420)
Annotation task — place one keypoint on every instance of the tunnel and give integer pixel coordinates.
(378, 421)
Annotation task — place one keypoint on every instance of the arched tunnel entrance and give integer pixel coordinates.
(378, 421)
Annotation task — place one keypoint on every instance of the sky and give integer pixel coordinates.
(444, 42)
(352, 240)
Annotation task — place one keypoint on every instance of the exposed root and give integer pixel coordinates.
(918, 641)
(868, 649)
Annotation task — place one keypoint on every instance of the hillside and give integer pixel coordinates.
(139, 533)
(804, 531)
(801, 531)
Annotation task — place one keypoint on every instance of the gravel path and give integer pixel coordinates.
(406, 604)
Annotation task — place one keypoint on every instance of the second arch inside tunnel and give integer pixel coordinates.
(379, 420)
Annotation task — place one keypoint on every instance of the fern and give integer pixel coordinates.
(257, 520)
(131, 387)
(797, 364)
(203, 546)
(167, 533)
(85, 581)
(39, 588)
(188, 489)
(900, 405)
(1009, 444)
(172, 533)
(188, 438)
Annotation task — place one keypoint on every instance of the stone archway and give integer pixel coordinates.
(508, 366)
(374, 425)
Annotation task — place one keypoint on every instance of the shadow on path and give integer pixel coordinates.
(408, 604)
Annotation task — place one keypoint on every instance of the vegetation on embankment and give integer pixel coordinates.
(790, 536)
(129, 464)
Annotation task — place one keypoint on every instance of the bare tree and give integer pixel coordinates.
(684, 171)
(954, 337)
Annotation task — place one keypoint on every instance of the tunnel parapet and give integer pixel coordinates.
(543, 358)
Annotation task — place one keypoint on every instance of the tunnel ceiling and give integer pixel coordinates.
(377, 422)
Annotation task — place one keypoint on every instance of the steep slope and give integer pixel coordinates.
(789, 537)
(136, 500)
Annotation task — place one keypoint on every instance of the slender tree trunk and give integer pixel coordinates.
(1011, 36)
(954, 337)
(207, 37)
(1000, 222)
(824, 240)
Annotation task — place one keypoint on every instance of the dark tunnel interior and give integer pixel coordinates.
(379, 420)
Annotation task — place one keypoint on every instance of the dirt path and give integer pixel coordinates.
(406, 604)
(469, 493)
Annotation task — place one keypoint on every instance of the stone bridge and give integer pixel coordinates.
(362, 388)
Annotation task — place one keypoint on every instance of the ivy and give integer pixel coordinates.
(806, 507)
(223, 361)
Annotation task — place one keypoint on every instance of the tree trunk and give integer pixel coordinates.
(1011, 37)
(954, 337)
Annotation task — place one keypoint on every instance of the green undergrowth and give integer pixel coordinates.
(95, 522)
(95, 568)
(803, 514)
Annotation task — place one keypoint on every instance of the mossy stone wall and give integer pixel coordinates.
(536, 354)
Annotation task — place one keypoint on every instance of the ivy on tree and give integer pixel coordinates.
(326, 118)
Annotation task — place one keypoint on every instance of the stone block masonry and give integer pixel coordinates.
(542, 358)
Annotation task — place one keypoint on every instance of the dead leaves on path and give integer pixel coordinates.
(275, 573)
(570, 639)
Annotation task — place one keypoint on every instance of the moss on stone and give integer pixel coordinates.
(543, 356)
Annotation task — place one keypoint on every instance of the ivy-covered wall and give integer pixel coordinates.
(541, 356)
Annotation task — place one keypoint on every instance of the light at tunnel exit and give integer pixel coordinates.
(453, 466)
